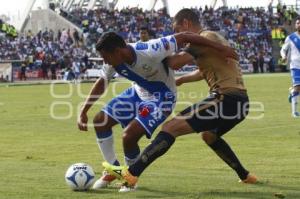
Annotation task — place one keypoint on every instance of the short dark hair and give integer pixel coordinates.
(188, 14)
(298, 18)
(110, 41)
(144, 28)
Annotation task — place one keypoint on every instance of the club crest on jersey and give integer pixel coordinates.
(124, 72)
(147, 68)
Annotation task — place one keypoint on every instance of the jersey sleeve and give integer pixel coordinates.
(285, 48)
(160, 48)
(107, 72)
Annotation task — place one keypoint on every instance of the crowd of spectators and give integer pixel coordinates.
(127, 22)
(247, 29)
(47, 51)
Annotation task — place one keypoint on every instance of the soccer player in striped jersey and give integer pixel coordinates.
(225, 107)
(292, 46)
(145, 105)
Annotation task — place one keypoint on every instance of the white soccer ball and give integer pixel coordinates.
(80, 176)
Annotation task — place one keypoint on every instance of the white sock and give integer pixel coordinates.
(132, 156)
(294, 103)
(106, 146)
(129, 161)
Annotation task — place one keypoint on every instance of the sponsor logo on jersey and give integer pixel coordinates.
(165, 43)
(155, 46)
(141, 46)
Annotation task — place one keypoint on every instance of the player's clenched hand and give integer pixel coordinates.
(178, 81)
(82, 122)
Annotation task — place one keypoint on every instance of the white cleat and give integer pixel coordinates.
(125, 188)
(104, 181)
(296, 114)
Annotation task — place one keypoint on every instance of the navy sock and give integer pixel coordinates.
(103, 135)
(116, 163)
(223, 150)
(132, 155)
(159, 146)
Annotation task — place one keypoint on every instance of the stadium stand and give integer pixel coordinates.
(252, 31)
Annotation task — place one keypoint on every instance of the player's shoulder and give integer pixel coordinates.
(214, 36)
(209, 33)
(292, 36)
(154, 44)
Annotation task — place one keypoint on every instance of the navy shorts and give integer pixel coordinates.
(217, 113)
(295, 73)
(150, 114)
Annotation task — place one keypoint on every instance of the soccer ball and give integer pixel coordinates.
(80, 176)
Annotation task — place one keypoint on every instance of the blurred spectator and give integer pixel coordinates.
(53, 68)
(23, 71)
(272, 64)
(261, 62)
(254, 61)
(144, 34)
(247, 29)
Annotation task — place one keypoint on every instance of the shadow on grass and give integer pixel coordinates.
(109, 190)
(141, 192)
(288, 192)
(154, 193)
(268, 184)
(245, 195)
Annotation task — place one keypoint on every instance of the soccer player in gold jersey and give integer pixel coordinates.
(225, 107)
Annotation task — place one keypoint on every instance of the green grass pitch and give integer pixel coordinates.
(36, 149)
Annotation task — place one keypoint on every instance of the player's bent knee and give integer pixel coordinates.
(297, 88)
(208, 137)
(98, 119)
(129, 141)
(101, 122)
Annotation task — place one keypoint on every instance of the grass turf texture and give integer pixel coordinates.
(36, 149)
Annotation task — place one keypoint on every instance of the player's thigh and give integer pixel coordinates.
(202, 116)
(132, 133)
(103, 122)
(123, 107)
(151, 114)
(233, 110)
(177, 127)
(295, 73)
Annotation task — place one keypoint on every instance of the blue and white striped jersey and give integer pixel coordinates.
(147, 72)
(292, 46)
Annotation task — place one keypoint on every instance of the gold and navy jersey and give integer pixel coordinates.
(221, 74)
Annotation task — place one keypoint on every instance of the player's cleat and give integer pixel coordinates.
(290, 98)
(290, 94)
(296, 114)
(104, 181)
(125, 188)
(121, 172)
(251, 179)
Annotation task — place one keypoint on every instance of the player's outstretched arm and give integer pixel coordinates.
(284, 49)
(190, 77)
(195, 39)
(178, 60)
(96, 91)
